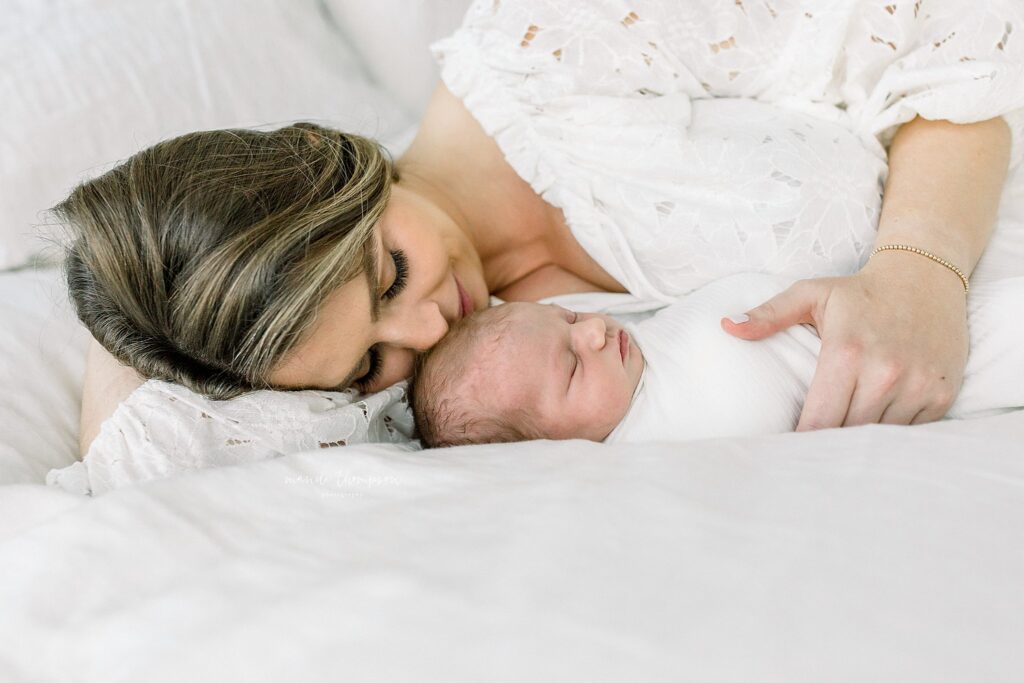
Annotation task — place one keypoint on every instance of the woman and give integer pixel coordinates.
(390, 260)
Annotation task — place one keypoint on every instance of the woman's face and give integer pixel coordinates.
(428, 276)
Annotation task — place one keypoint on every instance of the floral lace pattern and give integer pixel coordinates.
(163, 429)
(620, 114)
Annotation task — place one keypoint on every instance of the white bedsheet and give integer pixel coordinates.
(871, 553)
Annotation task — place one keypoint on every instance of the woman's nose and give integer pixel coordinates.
(590, 333)
(417, 327)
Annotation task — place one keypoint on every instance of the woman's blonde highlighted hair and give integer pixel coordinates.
(204, 259)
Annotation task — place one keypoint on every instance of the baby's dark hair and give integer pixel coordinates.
(446, 410)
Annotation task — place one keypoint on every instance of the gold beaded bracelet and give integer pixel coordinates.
(933, 257)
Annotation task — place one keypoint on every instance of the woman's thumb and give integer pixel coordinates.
(792, 306)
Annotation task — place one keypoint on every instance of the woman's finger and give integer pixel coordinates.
(866, 406)
(929, 414)
(900, 413)
(876, 390)
(792, 306)
(828, 398)
(940, 399)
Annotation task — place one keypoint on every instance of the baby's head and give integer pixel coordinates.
(525, 371)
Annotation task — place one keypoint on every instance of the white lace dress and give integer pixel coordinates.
(618, 113)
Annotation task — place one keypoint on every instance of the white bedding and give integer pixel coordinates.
(873, 553)
(87, 83)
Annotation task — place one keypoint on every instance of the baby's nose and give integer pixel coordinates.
(591, 333)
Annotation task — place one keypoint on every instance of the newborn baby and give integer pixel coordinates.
(529, 371)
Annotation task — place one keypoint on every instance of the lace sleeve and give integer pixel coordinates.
(954, 60)
(163, 429)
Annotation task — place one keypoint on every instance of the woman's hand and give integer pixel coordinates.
(893, 341)
(894, 336)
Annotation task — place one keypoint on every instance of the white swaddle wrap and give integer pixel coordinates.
(700, 382)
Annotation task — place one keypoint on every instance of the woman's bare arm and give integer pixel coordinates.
(107, 383)
(943, 190)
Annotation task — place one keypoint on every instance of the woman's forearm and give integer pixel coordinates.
(107, 383)
(943, 188)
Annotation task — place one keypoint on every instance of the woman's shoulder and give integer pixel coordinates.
(446, 124)
(457, 153)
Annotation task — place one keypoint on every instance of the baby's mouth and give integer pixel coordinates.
(623, 345)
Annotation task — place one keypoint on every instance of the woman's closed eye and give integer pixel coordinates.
(401, 274)
(372, 374)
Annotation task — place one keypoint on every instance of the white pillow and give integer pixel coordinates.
(393, 37)
(86, 83)
(41, 372)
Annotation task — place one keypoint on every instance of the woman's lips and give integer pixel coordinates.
(465, 302)
(623, 345)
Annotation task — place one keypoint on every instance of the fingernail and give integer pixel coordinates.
(739, 318)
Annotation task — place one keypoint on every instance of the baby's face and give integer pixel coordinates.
(573, 374)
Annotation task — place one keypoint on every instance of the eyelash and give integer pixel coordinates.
(401, 274)
(372, 374)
